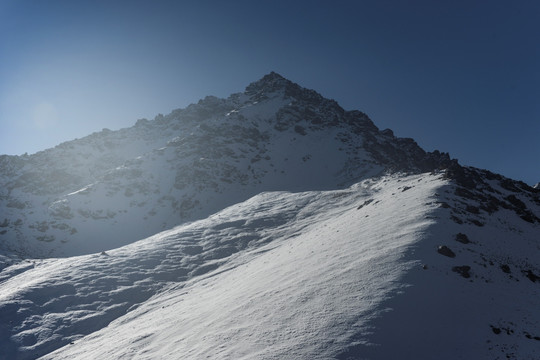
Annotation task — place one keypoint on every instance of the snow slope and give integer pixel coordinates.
(271, 224)
(343, 274)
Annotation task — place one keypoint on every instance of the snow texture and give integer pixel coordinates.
(269, 225)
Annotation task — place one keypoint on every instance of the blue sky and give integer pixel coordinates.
(459, 76)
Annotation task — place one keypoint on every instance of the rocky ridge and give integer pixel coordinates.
(109, 188)
(352, 232)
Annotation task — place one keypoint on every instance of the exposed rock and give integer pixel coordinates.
(462, 270)
(367, 202)
(462, 238)
(529, 336)
(472, 209)
(476, 222)
(444, 205)
(446, 251)
(532, 276)
(516, 202)
(209, 148)
(456, 219)
(300, 130)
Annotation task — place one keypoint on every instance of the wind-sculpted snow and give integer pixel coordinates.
(344, 274)
(284, 238)
(274, 225)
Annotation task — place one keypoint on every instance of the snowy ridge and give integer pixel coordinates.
(298, 237)
(272, 224)
(354, 273)
(113, 187)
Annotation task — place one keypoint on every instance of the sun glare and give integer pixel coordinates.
(44, 115)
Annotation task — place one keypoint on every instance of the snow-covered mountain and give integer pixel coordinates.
(113, 187)
(275, 225)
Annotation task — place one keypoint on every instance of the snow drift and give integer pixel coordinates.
(352, 273)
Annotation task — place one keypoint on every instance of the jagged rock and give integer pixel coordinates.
(476, 222)
(444, 205)
(367, 202)
(163, 166)
(125, 185)
(472, 209)
(516, 202)
(462, 270)
(446, 251)
(532, 276)
(462, 238)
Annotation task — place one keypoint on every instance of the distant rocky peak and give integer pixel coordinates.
(269, 83)
(210, 104)
(274, 84)
(304, 100)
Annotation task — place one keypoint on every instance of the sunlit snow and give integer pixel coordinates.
(269, 225)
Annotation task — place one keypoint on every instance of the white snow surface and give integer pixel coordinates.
(337, 274)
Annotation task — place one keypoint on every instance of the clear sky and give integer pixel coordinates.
(461, 76)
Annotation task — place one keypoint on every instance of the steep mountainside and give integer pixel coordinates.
(389, 266)
(113, 187)
(272, 224)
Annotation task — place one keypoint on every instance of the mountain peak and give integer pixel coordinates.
(271, 82)
(274, 83)
(277, 182)
(273, 78)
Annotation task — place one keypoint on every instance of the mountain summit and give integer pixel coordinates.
(111, 187)
(270, 83)
(271, 224)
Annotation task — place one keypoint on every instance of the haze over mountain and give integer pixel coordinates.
(269, 224)
(191, 163)
(460, 76)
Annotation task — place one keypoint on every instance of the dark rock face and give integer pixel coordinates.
(446, 251)
(532, 276)
(463, 270)
(462, 238)
(404, 154)
(308, 106)
(210, 147)
(472, 209)
(215, 145)
(486, 192)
